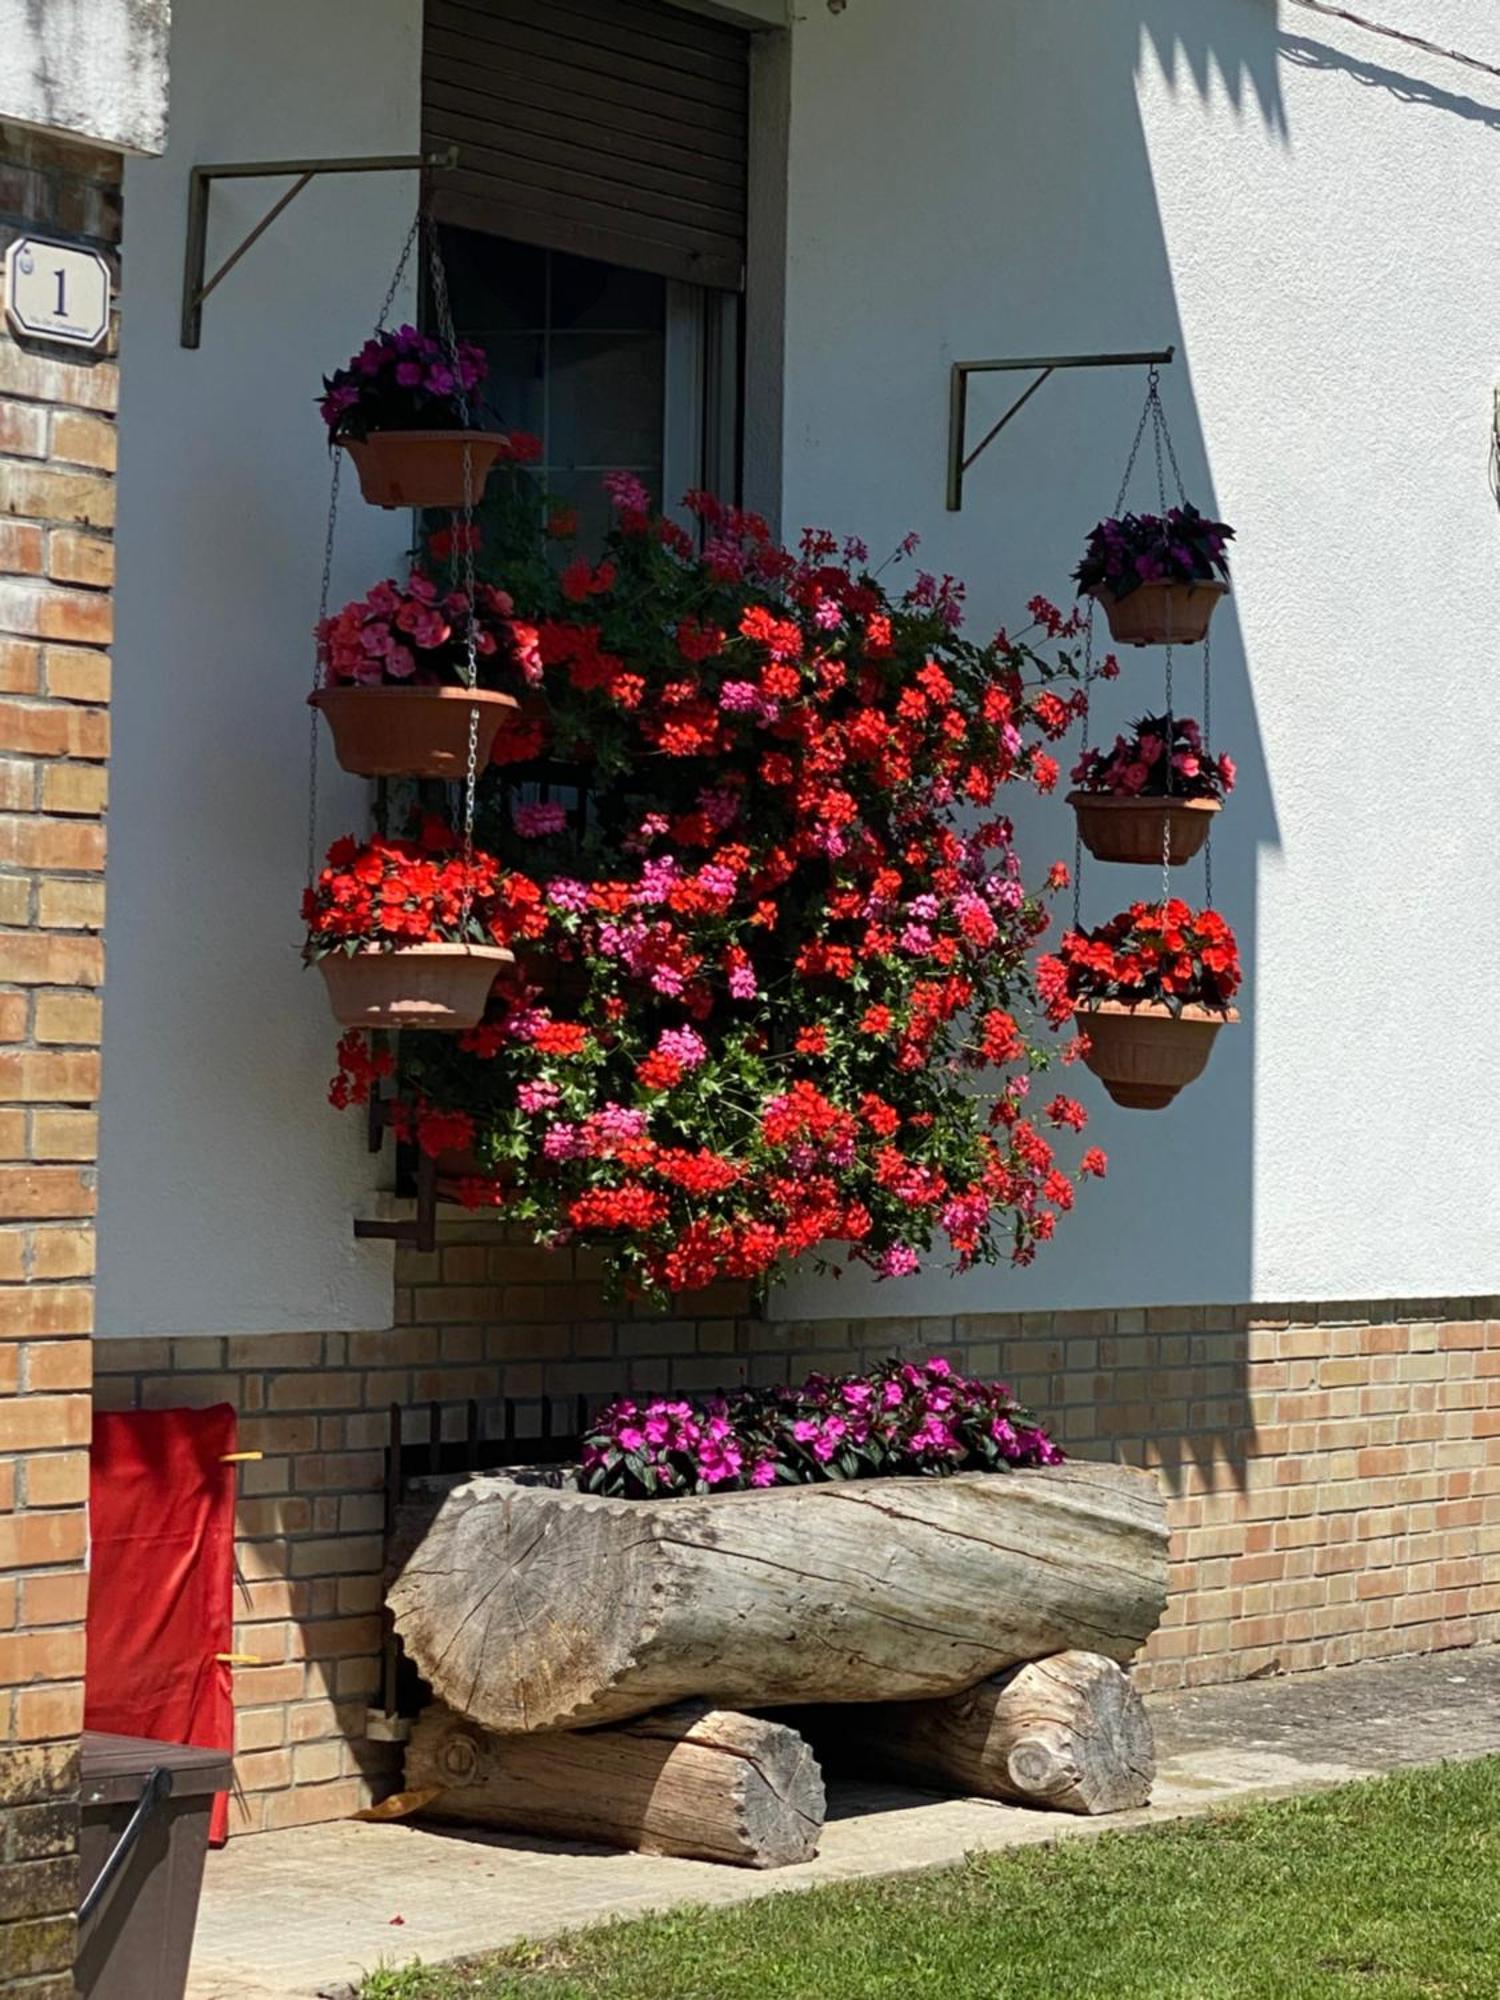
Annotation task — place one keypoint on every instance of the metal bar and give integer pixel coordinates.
(254, 237)
(156, 1790)
(995, 429)
(1160, 357)
(195, 288)
(1047, 365)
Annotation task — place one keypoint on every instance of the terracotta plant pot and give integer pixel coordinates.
(423, 468)
(410, 732)
(1161, 614)
(415, 986)
(1144, 1055)
(1121, 829)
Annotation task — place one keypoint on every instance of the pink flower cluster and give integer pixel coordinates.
(903, 1418)
(414, 634)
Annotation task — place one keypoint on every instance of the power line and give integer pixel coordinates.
(1398, 35)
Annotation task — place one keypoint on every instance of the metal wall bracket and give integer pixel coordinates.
(419, 1230)
(195, 287)
(1047, 364)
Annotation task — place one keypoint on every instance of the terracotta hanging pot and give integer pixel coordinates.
(411, 732)
(1161, 614)
(443, 986)
(1124, 829)
(1144, 1055)
(423, 468)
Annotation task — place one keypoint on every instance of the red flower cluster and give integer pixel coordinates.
(388, 893)
(1138, 767)
(795, 920)
(1160, 952)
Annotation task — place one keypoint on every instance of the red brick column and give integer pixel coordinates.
(57, 455)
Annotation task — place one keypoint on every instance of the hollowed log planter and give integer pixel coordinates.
(1161, 614)
(1118, 829)
(423, 468)
(442, 986)
(411, 732)
(535, 1607)
(1144, 1055)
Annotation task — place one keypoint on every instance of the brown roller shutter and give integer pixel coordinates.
(609, 128)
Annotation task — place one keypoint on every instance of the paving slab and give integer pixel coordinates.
(303, 1915)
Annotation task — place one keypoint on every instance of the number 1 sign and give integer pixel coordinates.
(56, 291)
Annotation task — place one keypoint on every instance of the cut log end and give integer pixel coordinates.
(1069, 1732)
(692, 1781)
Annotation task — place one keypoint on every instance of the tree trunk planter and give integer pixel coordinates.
(1162, 614)
(704, 1783)
(1069, 1733)
(442, 986)
(530, 1606)
(423, 468)
(411, 732)
(1144, 1055)
(1119, 829)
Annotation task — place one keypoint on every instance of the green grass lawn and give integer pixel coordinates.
(1379, 1890)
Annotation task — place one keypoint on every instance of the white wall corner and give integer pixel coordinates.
(92, 69)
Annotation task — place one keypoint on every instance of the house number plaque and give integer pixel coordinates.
(57, 291)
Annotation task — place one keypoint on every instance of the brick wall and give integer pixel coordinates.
(57, 450)
(1333, 1473)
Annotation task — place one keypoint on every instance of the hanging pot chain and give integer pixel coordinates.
(1083, 747)
(448, 335)
(1208, 737)
(312, 734)
(1166, 811)
(400, 272)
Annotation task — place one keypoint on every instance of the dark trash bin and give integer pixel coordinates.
(141, 1850)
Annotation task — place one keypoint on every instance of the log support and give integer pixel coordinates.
(1069, 1732)
(706, 1784)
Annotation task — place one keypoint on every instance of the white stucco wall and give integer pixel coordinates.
(227, 1185)
(1307, 213)
(1310, 213)
(94, 69)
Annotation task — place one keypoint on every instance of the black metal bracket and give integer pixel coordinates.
(959, 461)
(419, 1230)
(154, 1793)
(195, 286)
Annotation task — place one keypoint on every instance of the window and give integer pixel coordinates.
(614, 369)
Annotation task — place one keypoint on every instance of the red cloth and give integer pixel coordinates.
(161, 1579)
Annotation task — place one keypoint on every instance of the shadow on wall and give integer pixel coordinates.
(1023, 125)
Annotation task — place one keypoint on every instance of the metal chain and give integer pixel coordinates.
(1166, 812)
(1083, 745)
(1152, 380)
(401, 263)
(1208, 737)
(448, 335)
(1164, 437)
(312, 733)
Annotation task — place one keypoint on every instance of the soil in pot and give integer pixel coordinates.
(443, 986)
(1124, 829)
(423, 468)
(1162, 614)
(411, 732)
(1144, 1055)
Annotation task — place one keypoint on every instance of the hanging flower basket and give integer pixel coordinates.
(443, 986)
(417, 732)
(1151, 990)
(1161, 614)
(424, 468)
(1133, 830)
(1158, 576)
(1144, 1055)
(410, 933)
(402, 410)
